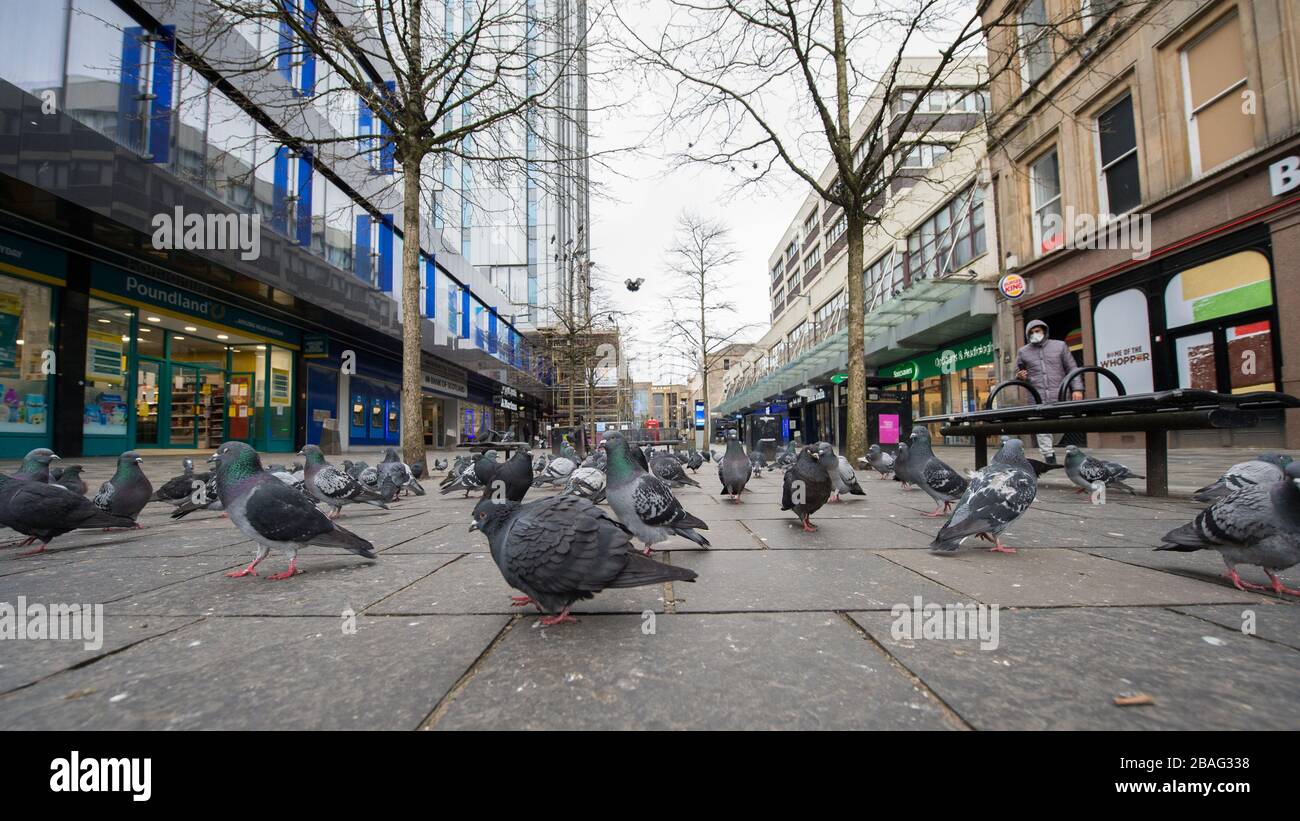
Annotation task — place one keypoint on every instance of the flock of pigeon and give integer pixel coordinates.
(565, 547)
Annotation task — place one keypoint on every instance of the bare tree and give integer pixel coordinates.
(700, 326)
(771, 85)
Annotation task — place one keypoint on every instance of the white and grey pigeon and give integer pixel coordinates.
(272, 514)
(1264, 469)
(879, 460)
(1085, 472)
(938, 479)
(329, 484)
(997, 495)
(588, 481)
(204, 498)
(1255, 524)
(557, 470)
(643, 502)
(734, 470)
(843, 478)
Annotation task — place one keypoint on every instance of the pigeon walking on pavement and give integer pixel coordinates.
(557, 470)
(1264, 469)
(1255, 524)
(880, 461)
(1086, 472)
(997, 496)
(35, 466)
(844, 480)
(128, 491)
(70, 478)
(905, 468)
(643, 502)
(561, 549)
(399, 473)
(733, 468)
(329, 484)
(44, 512)
(204, 498)
(273, 514)
(806, 487)
(511, 481)
(179, 488)
(938, 479)
(669, 468)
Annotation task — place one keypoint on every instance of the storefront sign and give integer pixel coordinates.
(1013, 286)
(506, 404)
(1122, 338)
(279, 386)
(954, 358)
(888, 428)
(1284, 176)
(840, 377)
(315, 346)
(104, 357)
(444, 384)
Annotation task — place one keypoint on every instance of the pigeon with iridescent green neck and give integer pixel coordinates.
(128, 491)
(35, 466)
(273, 514)
(643, 502)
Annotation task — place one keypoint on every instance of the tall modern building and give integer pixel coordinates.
(178, 269)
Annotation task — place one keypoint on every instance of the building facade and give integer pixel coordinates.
(143, 306)
(1145, 159)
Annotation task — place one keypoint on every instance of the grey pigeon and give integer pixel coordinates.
(880, 461)
(354, 469)
(997, 495)
(179, 488)
(557, 470)
(438, 464)
(694, 460)
(1086, 472)
(463, 476)
(843, 478)
(903, 468)
(326, 483)
(560, 549)
(641, 457)
(1255, 524)
(70, 478)
(669, 468)
(511, 481)
(417, 472)
(274, 515)
(587, 482)
(35, 466)
(733, 468)
(1264, 469)
(939, 480)
(128, 491)
(379, 483)
(806, 487)
(399, 473)
(204, 498)
(44, 512)
(643, 502)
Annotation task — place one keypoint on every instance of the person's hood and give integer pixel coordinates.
(1037, 323)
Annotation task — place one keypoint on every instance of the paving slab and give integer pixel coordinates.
(771, 671)
(473, 584)
(330, 584)
(263, 673)
(1058, 578)
(1278, 623)
(99, 581)
(1204, 565)
(1061, 669)
(837, 534)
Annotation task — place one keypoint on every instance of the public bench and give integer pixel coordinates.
(1149, 413)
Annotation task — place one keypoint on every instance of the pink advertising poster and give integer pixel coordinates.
(889, 429)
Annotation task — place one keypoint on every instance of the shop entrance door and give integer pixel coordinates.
(149, 378)
(183, 411)
(211, 416)
(240, 410)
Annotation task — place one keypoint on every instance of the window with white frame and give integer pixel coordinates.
(837, 230)
(1118, 183)
(814, 256)
(1034, 41)
(1214, 79)
(1045, 203)
(949, 239)
(926, 155)
(810, 224)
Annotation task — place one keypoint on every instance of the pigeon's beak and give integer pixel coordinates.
(54, 456)
(212, 458)
(473, 525)
(138, 460)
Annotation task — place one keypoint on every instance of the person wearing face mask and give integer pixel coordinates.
(1043, 363)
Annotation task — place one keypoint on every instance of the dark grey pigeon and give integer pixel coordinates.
(326, 483)
(880, 461)
(273, 514)
(997, 495)
(806, 487)
(843, 478)
(1086, 472)
(1264, 469)
(204, 498)
(70, 478)
(557, 470)
(128, 491)
(643, 502)
(694, 460)
(44, 512)
(639, 455)
(35, 466)
(939, 480)
(180, 488)
(733, 468)
(398, 472)
(511, 480)
(1256, 524)
(560, 549)
(903, 468)
(379, 483)
(669, 468)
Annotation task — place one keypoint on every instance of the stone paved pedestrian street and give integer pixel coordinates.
(782, 629)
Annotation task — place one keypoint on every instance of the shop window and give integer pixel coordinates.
(1227, 286)
(1118, 173)
(1045, 200)
(280, 404)
(1214, 77)
(1196, 358)
(24, 340)
(106, 407)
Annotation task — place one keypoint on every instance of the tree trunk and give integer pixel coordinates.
(704, 367)
(855, 444)
(412, 332)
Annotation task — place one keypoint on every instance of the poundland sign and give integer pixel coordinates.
(953, 358)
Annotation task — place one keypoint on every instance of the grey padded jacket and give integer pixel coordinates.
(1047, 364)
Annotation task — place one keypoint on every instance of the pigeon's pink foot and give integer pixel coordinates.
(560, 618)
(23, 543)
(33, 551)
(1241, 584)
(934, 514)
(520, 601)
(290, 572)
(239, 574)
(998, 547)
(224, 515)
(835, 498)
(648, 550)
(808, 526)
(1278, 587)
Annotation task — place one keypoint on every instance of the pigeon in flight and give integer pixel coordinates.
(634, 285)
(997, 495)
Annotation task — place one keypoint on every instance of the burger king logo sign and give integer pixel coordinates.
(1012, 286)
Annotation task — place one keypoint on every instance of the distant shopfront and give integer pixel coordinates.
(956, 378)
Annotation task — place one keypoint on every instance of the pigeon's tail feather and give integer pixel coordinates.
(415, 486)
(346, 539)
(1184, 539)
(856, 489)
(950, 536)
(1117, 483)
(691, 521)
(98, 518)
(375, 501)
(942, 545)
(641, 570)
(689, 533)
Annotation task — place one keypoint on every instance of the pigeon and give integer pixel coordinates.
(734, 469)
(539, 463)
(453, 473)
(44, 512)
(841, 473)
(510, 481)
(179, 488)
(560, 549)
(880, 461)
(438, 464)
(205, 498)
(588, 482)
(641, 456)
(1255, 524)
(35, 466)
(666, 467)
(326, 483)
(903, 468)
(1086, 471)
(694, 460)
(463, 476)
(354, 469)
(940, 481)
(806, 487)
(557, 470)
(380, 484)
(128, 491)
(273, 515)
(997, 495)
(70, 478)
(1264, 469)
(399, 473)
(417, 471)
(1041, 467)
(643, 502)
(634, 285)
